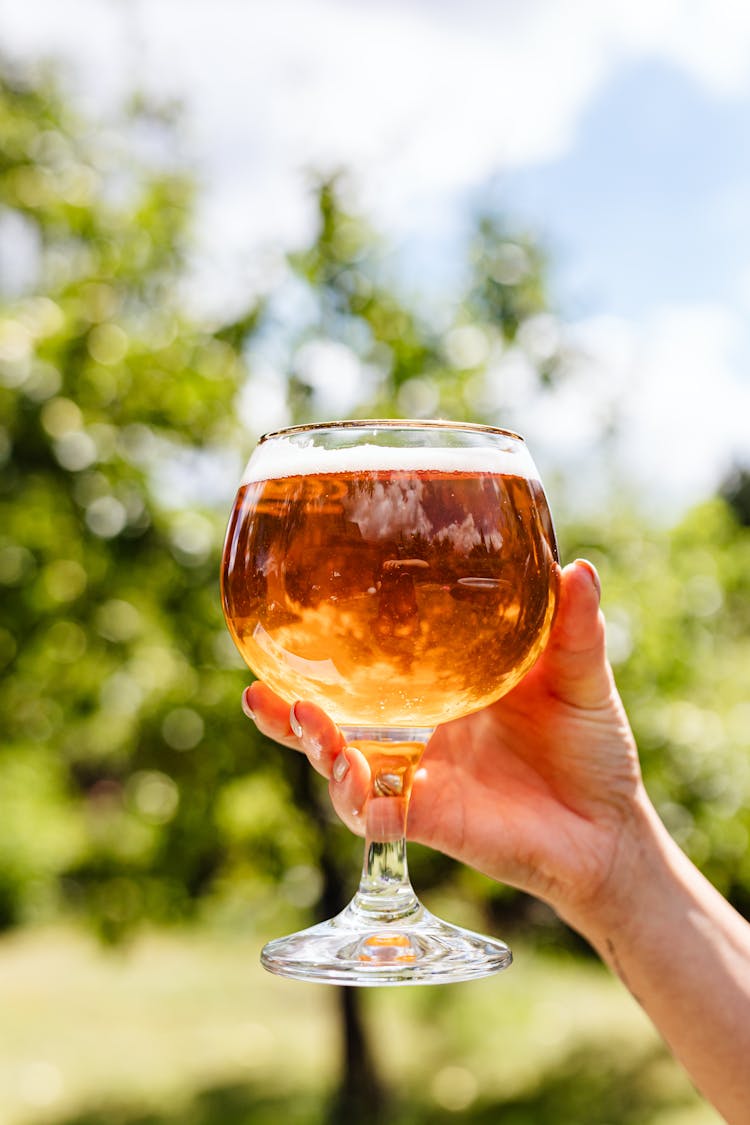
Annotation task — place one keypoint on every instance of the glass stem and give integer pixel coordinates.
(385, 893)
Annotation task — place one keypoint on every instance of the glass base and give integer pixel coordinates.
(420, 949)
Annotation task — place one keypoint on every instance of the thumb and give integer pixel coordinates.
(574, 664)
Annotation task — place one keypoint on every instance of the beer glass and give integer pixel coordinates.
(399, 575)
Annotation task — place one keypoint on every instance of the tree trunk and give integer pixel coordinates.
(361, 1098)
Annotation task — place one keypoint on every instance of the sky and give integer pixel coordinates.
(619, 132)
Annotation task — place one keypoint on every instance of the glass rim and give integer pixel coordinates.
(390, 424)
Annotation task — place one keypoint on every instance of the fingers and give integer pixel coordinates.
(578, 626)
(574, 663)
(269, 713)
(349, 788)
(302, 727)
(307, 728)
(317, 735)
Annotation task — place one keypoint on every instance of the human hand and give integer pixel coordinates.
(535, 790)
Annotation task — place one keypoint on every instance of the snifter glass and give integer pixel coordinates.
(399, 575)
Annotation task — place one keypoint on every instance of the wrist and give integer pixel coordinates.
(639, 846)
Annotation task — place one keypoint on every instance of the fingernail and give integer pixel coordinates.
(246, 706)
(294, 722)
(340, 767)
(593, 574)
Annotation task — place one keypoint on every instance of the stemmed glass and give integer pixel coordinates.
(398, 574)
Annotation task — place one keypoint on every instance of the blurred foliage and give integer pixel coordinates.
(361, 349)
(119, 695)
(736, 491)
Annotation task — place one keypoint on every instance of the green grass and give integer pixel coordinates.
(187, 1029)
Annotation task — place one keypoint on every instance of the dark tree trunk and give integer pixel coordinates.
(361, 1098)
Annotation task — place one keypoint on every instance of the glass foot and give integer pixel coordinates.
(353, 950)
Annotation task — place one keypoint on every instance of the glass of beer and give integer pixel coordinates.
(399, 575)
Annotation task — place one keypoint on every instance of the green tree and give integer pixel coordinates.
(411, 362)
(119, 735)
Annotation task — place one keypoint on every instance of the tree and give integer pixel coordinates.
(119, 738)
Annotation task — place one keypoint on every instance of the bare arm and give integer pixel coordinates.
(543, 790)
(684, 953)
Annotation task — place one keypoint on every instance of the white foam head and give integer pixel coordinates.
(281, 457)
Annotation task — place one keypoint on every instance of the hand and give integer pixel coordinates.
(535, 790)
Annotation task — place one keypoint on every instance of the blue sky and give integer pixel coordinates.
(651, 204)
(620, 132)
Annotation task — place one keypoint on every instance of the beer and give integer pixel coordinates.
(394, 587)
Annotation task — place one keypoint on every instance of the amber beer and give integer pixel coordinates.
(391, 595)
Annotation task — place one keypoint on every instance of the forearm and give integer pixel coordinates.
(684, 953)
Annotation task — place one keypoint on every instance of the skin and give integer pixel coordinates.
(543, 790)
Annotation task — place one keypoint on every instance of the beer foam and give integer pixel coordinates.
(280, 457)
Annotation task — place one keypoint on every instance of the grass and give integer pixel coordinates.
(187, 1029)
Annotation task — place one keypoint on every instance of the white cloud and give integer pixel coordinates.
(688, 411)
(420, 99)
(709, 39)
(668, 387)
